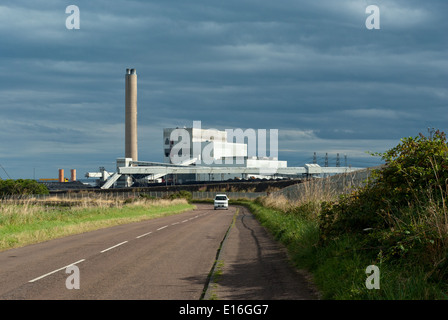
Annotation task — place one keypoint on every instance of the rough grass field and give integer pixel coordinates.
(30, 221)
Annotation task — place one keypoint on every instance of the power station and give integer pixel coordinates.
(197, 154)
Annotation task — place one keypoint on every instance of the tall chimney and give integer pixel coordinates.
(131, 150)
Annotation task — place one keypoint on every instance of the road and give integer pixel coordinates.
(168, 258)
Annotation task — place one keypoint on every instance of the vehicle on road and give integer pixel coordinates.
(221, 202)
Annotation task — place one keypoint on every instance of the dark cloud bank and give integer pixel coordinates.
(308, 68)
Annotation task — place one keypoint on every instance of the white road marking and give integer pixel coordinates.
(119, 244)
(142, 235)
(114, 246)
(173, 224)
(47, 274)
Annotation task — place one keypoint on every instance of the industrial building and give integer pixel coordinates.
(214, 145)
(196, 154)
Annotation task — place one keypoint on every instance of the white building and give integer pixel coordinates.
(210, 147)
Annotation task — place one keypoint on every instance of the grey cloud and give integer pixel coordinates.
(297, 66)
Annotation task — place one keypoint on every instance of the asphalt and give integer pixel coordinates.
(168, 258)
(253, 266)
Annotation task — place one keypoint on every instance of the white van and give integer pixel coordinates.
(221, 201)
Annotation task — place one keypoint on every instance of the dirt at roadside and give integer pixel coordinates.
(253, 266)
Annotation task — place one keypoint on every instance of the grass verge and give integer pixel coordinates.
(26, 222)
(338, 268)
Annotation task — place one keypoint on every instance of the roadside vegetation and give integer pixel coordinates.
(397, 222)
(21, 187)
(30, 221)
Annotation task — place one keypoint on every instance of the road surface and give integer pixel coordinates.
(168, 258)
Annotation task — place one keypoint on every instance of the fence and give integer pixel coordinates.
(199, 195)
(231, 195)
(326, 187)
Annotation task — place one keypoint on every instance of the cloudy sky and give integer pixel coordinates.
(310, 69)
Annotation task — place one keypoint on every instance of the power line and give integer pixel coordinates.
(5, 171)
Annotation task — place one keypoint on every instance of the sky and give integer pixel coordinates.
(311, 69)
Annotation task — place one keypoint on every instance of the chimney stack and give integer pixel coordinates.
(131, 150)
(61, 175)
(73, 174)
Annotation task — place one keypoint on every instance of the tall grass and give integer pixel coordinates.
(338, 267)
(307, 202)
(30, 221)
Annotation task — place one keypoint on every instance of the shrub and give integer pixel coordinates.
(147, 196)
(21, 187)
(181, 194)
(402, 211)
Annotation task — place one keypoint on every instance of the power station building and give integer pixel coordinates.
(211, 148)
(196, 154)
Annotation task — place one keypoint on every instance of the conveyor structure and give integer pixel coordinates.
(156, 170)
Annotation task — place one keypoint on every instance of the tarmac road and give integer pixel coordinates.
(168, 258)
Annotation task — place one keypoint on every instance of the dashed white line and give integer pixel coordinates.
(114, 246)
(142, 235)
(119, 244)
(47, 274)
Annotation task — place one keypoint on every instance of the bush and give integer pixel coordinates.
(147, 196)
(21, 187)
(416, 170)
(402, 212)
(181, 194)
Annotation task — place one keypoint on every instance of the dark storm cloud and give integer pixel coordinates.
(308, 68)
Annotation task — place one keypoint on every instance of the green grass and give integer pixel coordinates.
(23, 224)
(338, 268)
